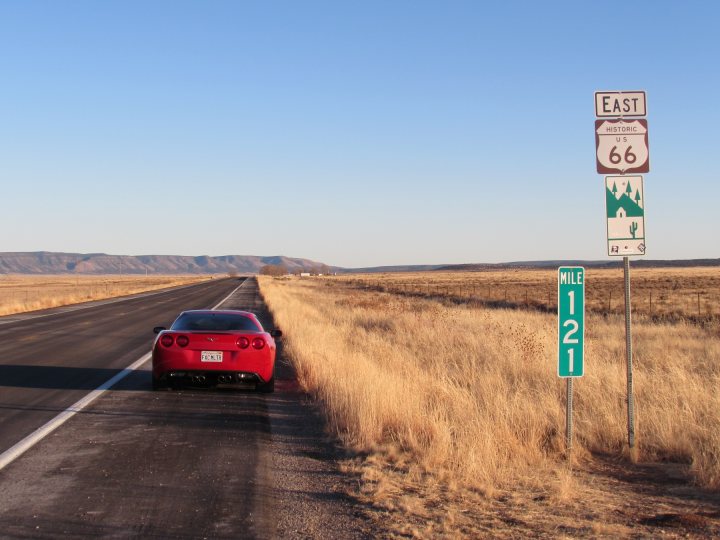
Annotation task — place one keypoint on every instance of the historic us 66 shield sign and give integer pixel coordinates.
(622, 146)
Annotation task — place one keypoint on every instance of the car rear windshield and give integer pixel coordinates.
(214, 322)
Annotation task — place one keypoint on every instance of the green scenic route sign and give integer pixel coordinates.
(571, 321)
(625, 208)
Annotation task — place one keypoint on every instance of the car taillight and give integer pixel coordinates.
(258, 343)
(182, 341)
(243, 342)
(167, 340)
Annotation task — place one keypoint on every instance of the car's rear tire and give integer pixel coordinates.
(268, 387)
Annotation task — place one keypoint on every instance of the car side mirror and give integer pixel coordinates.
(276, 333)
(158, 329)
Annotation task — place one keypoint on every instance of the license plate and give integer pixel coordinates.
(211, 356)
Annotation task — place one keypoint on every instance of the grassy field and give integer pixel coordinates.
(659, 292)
(27, 293)
(452, 404)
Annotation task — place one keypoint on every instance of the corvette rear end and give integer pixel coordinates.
(239, 355)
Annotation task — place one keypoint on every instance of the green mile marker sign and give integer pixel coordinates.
(571, 321)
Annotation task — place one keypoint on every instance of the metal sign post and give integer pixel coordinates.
(569, 415)
(571, 335)
(628, 357)
(621, 147)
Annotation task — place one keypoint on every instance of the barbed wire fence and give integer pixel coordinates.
(647, 300)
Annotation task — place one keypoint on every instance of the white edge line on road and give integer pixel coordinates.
(18, 449)
(15, 451)
(229, 295)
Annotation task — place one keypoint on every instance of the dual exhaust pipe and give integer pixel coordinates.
(202, 379)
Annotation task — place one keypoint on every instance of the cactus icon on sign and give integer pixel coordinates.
(633, 228)
(625, 205)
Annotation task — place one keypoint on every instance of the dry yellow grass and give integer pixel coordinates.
(676, 292)
(442, 394)
(27, 293)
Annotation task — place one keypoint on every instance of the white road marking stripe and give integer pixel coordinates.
(14, 452)
(229, 295)
(18, 449)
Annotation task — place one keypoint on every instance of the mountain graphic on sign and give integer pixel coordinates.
(629, 204)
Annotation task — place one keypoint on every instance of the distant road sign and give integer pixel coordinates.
(622, 146)
(571, 321)
(625, 208)
(614, 104)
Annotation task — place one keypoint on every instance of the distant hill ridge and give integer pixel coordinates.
(44, 262)
(616, 263)
(480, 267)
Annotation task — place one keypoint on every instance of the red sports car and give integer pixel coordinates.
(208, 348)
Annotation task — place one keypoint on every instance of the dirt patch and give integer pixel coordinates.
(601, 498)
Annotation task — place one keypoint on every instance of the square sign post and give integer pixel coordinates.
(571, 335)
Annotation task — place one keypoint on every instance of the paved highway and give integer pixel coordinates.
(47, 363)
(142, 464)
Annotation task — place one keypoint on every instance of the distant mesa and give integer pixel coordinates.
(100, 263)
(46, 262)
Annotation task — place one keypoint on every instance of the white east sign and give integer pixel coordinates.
(616, 104)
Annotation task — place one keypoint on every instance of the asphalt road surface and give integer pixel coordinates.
(189, 463)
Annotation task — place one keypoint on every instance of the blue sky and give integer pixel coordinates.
(353, 133)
